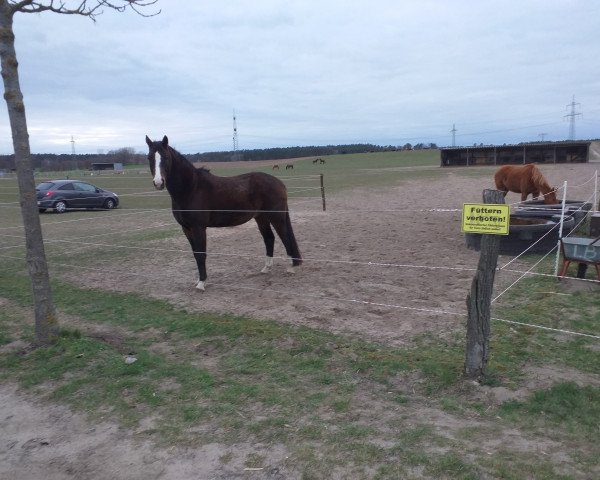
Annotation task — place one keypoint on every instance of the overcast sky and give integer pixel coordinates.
(309, 72)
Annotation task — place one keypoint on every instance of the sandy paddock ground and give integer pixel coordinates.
(383, 265)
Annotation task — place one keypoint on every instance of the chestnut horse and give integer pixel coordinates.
(200, 199)
(524, 179)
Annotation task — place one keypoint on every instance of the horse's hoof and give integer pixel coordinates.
(268, 265)
(200, 285)
(291, 270)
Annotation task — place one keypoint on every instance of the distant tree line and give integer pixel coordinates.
(292, 152)
(48, 162)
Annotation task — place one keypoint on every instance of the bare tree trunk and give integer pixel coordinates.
(46, 325)
(479, 300)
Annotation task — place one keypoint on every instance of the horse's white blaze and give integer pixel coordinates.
(200, 285)
(268, 265)
(158, 180)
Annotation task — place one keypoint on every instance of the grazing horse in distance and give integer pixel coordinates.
(524, 179)
(316, 160)
(321, 161)
(275, 167)
(200, 199)
(288, 166)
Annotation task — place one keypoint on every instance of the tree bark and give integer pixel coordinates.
(46, 324)
(479, 300)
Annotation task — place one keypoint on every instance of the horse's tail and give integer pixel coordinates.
(499, 177)
(296, 255)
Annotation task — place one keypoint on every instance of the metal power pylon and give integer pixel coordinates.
(75, 166)
(235, 138)
(572, 116)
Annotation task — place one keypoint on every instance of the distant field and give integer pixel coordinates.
(341, 172)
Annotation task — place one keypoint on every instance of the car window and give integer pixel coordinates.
(85, 187)
(67, 186)
(45, 186)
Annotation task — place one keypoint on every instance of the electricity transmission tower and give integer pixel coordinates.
(571, 117)
(453, 135)
(73, 153)
(235, 139)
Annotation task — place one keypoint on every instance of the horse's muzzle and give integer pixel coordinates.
(159, 186)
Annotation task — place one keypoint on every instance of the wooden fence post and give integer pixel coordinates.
(323, 191)
(479, 300)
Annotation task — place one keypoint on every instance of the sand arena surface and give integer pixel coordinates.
(383, 264)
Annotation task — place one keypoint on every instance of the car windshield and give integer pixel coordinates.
(45, 186)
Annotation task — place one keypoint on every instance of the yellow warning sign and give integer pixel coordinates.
(487, 218)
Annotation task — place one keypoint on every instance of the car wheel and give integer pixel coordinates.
(60, 206)
(41, 210)
(109, 204)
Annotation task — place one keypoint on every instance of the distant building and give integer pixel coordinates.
(117, 167)
(556, 152)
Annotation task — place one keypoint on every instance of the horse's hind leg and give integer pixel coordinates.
(269, 238)
(283, 227)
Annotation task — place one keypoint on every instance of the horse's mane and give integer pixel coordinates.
(184, 159)
(538, 178)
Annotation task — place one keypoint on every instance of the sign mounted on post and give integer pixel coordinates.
(487, 218)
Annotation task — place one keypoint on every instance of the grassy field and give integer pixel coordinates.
(339, 405)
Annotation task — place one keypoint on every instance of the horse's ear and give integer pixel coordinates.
(148, 141)
(165, 142)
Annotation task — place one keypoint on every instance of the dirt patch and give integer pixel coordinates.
(49, 442)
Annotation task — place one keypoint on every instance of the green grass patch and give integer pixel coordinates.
(565, 404)
(450, 465)
(310, 390)
(537, 301)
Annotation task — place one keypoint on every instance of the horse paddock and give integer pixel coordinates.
(383, 264)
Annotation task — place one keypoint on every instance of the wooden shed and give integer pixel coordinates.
(117, 167)
(556, 152)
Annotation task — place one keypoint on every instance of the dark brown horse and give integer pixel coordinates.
(200, 199)
(524, 179)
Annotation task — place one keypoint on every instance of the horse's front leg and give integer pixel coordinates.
(269, 239)
(197, 238)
